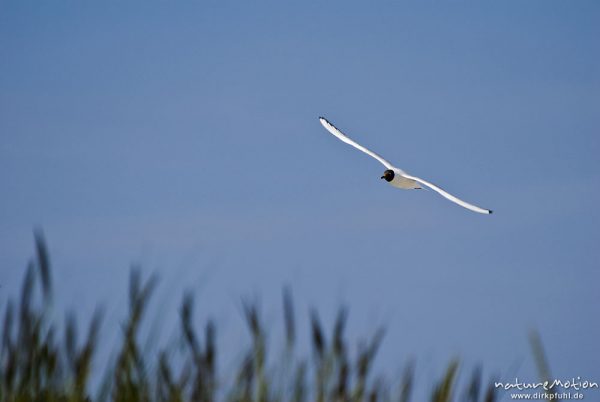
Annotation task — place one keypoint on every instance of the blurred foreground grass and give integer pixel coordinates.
(39, 362)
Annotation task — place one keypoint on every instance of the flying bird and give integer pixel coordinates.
(398, 177)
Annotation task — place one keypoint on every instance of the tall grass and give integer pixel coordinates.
(40, 362)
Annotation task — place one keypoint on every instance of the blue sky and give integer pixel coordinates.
(184, 137)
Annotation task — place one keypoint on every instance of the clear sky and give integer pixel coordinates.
(185, 137)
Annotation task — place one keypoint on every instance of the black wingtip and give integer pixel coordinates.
(490, 211)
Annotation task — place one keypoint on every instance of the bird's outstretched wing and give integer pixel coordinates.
(448, 195)
(333, 130)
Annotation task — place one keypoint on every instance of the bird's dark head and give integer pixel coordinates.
(388, 175)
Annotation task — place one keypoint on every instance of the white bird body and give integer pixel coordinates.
(400, 181)
(396, 176)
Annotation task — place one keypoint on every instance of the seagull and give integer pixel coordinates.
(398, 177)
